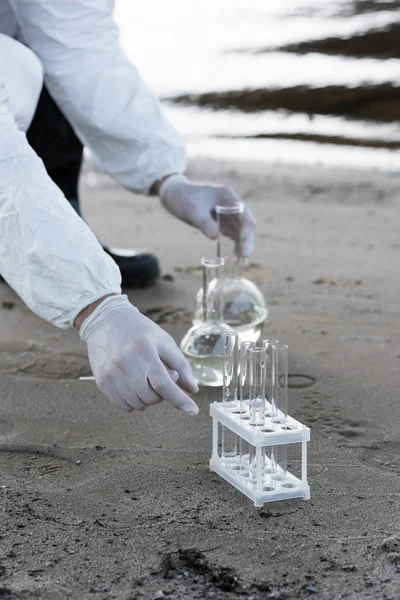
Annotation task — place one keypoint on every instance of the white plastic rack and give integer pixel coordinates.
(264, 480)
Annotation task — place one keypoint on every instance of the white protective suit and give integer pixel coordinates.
(47, 253)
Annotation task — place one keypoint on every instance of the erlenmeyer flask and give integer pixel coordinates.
(203, 344)
(244, 307)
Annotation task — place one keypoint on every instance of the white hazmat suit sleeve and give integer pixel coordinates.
(47, 253)
(98, 89)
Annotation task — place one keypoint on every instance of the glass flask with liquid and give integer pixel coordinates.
(244, 306)
(203, 344)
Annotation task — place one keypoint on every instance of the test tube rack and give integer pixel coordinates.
(261, 487)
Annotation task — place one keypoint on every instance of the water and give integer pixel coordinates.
(203, 46)
(250, 332)
(203, 348)
(249, 329)
(207, 370)
(244, 308)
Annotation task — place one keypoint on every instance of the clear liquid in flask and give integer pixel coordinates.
(243, 308)
(243, 304)
(203, 344)
(203, 350)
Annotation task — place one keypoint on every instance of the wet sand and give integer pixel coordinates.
(380, 43)
(99, 504)
(365, 101)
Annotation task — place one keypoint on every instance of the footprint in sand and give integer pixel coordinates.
(24, 462)
(350, 432)
(6, 428)
(385, 454)
(356, 433)
(169, 315)
(38, 361)
(297, 380)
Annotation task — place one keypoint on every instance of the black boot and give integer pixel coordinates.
(54, 140)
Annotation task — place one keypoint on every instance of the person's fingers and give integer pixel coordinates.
(126, 392)
(108, 388)
(136, 402)
(137, 382)
(227, 196)
(134, 365)
(174, 375)
(148, 396)
(162, 383)
(245, 244)
(173, 394)
(208, 225)
(173, 358)
(145, 391)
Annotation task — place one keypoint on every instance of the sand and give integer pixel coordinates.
(99, 504)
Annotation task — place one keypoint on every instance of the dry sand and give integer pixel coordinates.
(99, 504)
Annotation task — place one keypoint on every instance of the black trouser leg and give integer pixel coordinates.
(54, 140)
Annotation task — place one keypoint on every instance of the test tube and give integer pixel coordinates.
(280, 395)
(229, 393)
(213, 269)
(244, 397)
(280, 381)
(230, 222)
(270, 413)
(257, 386)
(270, 406)
(230, 341)
(244, 378)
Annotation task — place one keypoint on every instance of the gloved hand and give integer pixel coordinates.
(195, 203)
(129, 355)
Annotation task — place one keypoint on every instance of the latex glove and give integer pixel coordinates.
(195, 203)
(129, 355)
